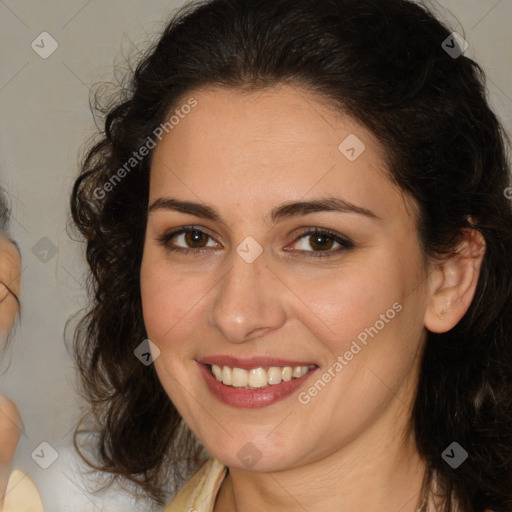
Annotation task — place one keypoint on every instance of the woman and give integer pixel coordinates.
(299, 240)
(17, 492)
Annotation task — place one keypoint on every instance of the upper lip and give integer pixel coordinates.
(252, 362)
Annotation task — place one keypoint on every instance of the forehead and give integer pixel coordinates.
(283, 118)
(265, 145)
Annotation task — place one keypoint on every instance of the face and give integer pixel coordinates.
(270, 246)
(10, 273)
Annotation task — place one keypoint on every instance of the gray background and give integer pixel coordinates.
(45, 122)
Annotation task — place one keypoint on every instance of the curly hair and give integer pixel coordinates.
(382, 63)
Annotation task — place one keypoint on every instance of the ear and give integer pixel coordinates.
(452, 283)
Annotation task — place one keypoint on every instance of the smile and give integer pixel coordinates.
(254, 382)
(257, 378)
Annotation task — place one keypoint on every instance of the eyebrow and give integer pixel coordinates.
(286, 210)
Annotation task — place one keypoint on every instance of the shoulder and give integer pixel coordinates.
(200, 490)
(10, 427)
(21, 494)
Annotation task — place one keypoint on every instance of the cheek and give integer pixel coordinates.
(341, 305)
(365, 312)
(170, 302)
(8, 311)
(158, 303)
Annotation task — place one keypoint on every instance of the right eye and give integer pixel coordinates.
(186, 240)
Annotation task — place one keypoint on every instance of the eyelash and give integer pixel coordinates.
(344, 243)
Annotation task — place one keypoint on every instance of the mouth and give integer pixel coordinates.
(255, 382)
(259, 377)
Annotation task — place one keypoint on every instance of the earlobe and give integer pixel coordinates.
(453, 283)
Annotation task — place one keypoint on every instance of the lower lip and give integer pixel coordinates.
(251, 398)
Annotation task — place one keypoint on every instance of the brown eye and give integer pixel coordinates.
(187, 239)
(196, 239)
(321, 241)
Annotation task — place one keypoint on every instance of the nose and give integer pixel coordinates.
(249, 301)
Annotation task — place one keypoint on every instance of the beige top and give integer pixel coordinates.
(201, 489)
(21, 494)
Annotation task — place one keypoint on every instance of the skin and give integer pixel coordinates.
(244, 154)
(10, 272)
(10, 421)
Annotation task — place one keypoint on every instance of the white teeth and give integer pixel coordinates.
(217, 371)
(258, 377)
(274, 375)
(226, 375)
(239, 378)
(297, 372)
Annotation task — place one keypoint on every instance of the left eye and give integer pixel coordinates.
(322, 241)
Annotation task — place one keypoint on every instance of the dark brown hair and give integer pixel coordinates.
(382, 62)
